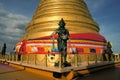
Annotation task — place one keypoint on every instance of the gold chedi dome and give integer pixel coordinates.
(49, 12)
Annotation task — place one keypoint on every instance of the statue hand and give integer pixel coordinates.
(51, 37)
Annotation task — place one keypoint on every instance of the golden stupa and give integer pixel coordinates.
(84, 31)
(49, 12)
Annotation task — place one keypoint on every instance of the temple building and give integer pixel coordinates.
(84, 31)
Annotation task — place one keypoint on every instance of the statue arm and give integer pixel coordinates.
(55, 32)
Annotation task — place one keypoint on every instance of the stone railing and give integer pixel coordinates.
(56, 60)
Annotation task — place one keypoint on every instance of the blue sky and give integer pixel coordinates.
(15, 14)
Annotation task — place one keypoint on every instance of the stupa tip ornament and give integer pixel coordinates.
(50, 14)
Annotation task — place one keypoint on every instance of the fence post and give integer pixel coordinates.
(95, 58)
(87, 58)
(60, 61)
(102, 58)
(35, 58)
(119, 57)
(76, 60)
(16, 57)
(9, 57)
(115, 58)
(21, 58)
(107, 57)
(112, 58)
(46, 60)
(12, 57)
(27, 58)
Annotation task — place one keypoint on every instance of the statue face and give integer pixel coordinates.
(61, 26)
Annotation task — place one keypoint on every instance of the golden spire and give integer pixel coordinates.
(49, 12)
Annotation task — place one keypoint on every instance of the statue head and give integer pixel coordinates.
(109, 44)
(61, 23)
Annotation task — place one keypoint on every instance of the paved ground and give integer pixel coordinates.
(10, 73)
(107, 74)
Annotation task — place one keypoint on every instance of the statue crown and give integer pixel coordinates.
(61, 23)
